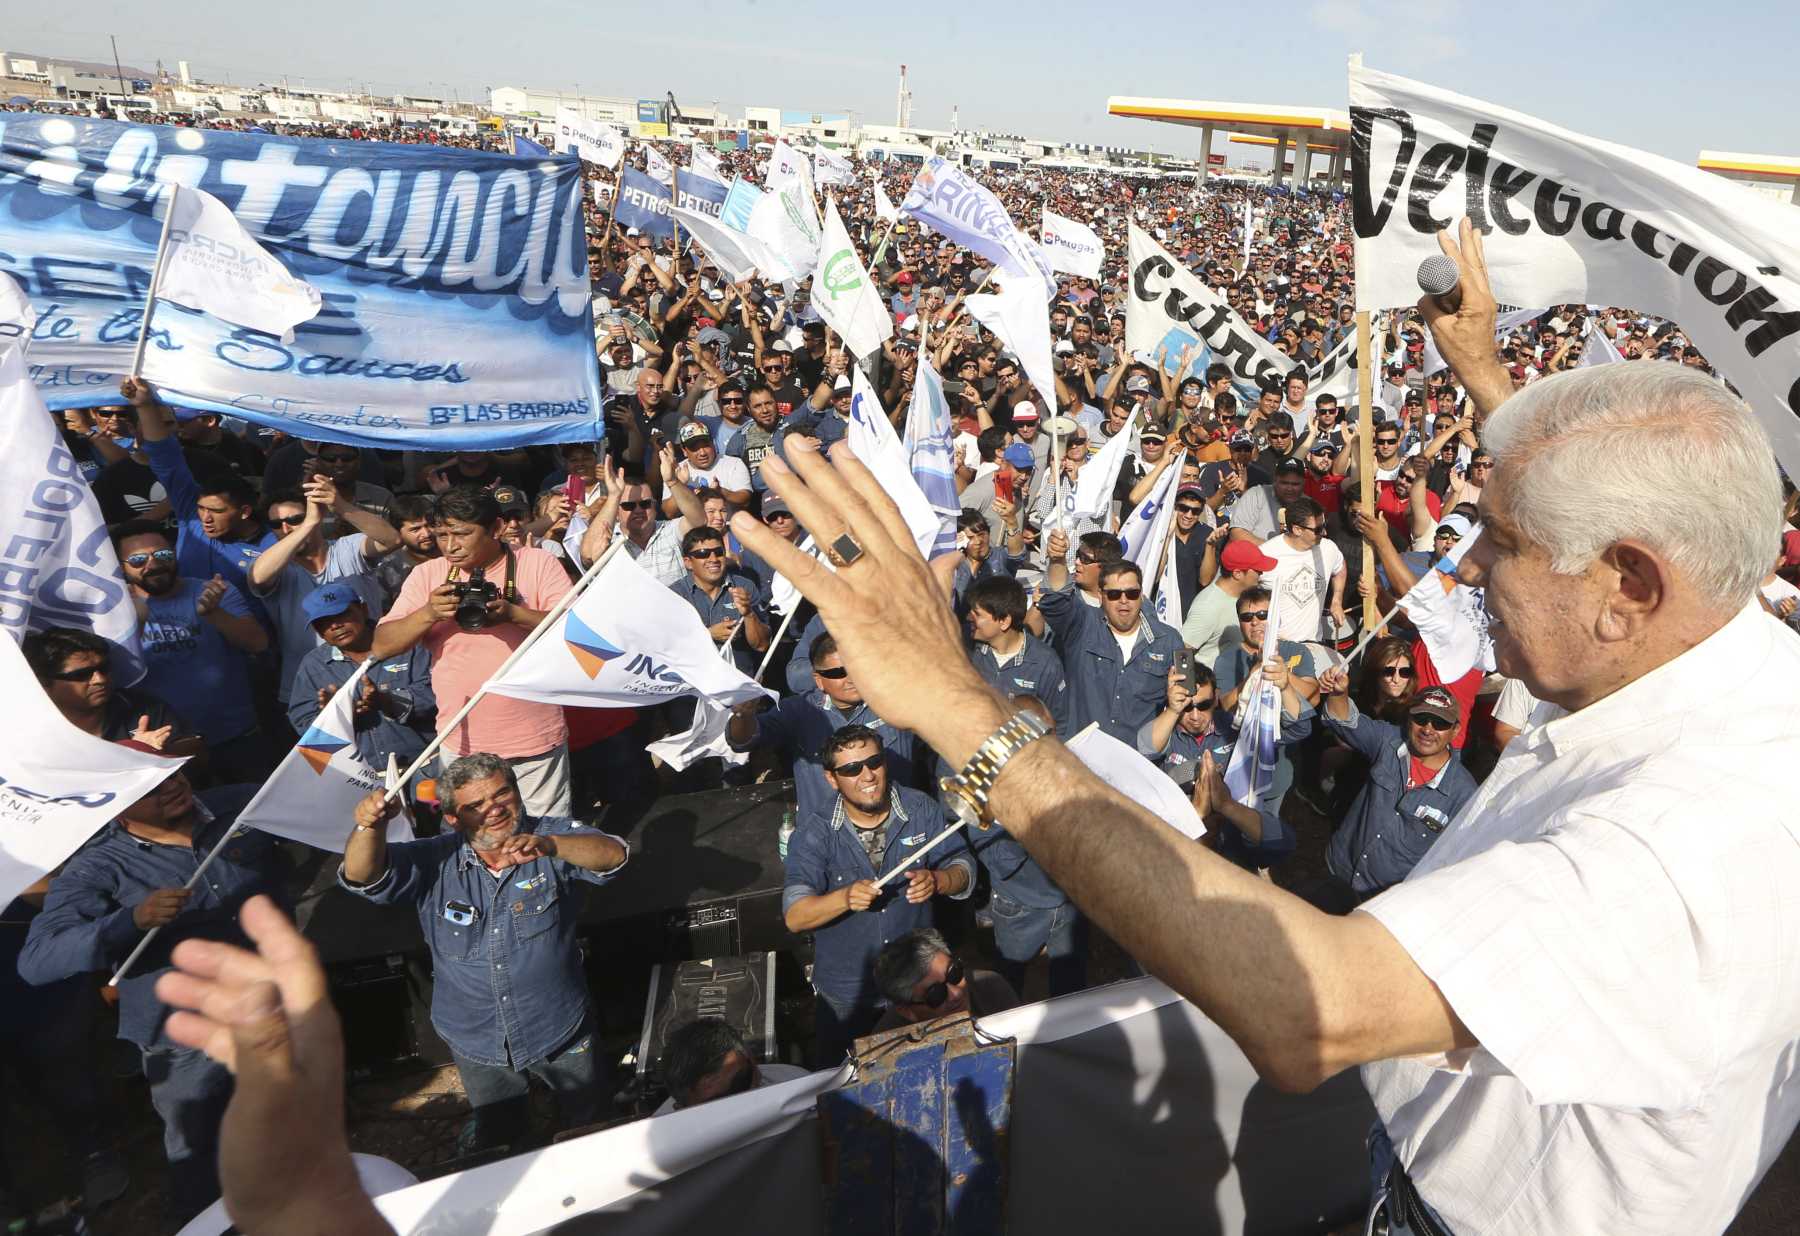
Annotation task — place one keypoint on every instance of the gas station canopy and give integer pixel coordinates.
(1315, 129)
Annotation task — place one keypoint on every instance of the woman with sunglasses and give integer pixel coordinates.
(1388, 680)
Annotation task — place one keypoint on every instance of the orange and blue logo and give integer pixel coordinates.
(317, 746)
(589, 648)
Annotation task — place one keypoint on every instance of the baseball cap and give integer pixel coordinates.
(773, 505)
(1436, 702)
(781, 345)
(1139, 383)
(1290, 467)
(1063, 346)
(692, 431)
(508, 498)
(1025, 410)
(904, 279)
(1151, 433)
(1245, 556)
(842, 384)
(1241, 441)
(1190, 491)
(330, 601)
(1458, 524)
(1020, 456)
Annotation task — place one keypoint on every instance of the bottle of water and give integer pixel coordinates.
(787, 830)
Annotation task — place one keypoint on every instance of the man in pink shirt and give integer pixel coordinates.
(468, 642)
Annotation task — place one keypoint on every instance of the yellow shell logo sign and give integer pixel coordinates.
(840, 274)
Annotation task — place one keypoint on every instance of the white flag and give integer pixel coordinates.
(626, 641)
(844, 294)
(1019, 313)
(1579, 220)
(832, 168)
(1148, 525)
(656, 166)
(1250, 772)
(1169, 304)
(738, 254)
(1137, 779)
(1167, 601)
(873, 440)
(786, 220)
(58, 784)
(705, 737)
(1095, 482)
(1504, 324)
(1600, 349)
(1450, 617)
(211, 263)
(55, 555)
(706, 163)
(1072, 247)
(17, 317)
(596, 143)
(311, 796)
(885, 210)
(786, 165)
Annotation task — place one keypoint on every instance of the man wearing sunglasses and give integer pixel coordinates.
(922, 980)
(75, 669)
(1415, 787)
(198, 637)
(862, 828)
(729, 604)
(706, 1059)
(1118, 658)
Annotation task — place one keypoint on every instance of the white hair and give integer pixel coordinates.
(478, 766)
(1648, 451)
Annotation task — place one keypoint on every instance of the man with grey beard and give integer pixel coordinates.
(498, 903)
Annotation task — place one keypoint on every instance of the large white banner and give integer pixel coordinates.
(786, 220)
(311, 796)
(1168, 304)
(626, 641)
(1072, 247)
(597, 143)
(58, 784)
(843, 293)
(872, 439)
(1573, 219)
(57, 565)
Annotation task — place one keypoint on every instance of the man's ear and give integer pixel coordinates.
(1641, 582)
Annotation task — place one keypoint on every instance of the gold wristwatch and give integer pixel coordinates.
(967, 791)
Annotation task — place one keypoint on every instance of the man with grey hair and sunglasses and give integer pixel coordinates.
(1576, 1012)
(921, 980)
(499, 902)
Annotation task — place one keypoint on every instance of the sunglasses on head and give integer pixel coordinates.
(1397, 671)
(701, 555)
(1121, 594)
(643, 504)
(937, 993)
(854, 767)
(154, 555)
(84, 674)
(1426, 721)
(1253, 615)
(838, 672)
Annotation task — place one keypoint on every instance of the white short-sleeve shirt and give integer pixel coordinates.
(1616, 918)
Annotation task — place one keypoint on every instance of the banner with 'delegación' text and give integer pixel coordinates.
(1568, 218)
(454, 282)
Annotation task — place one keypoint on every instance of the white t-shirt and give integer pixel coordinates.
(1778, 590)
(1515, 705)
(1303, 582)
(727, 472)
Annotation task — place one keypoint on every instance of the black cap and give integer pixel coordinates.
(1290, 467)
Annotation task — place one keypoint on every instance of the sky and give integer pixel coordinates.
(1669, 78)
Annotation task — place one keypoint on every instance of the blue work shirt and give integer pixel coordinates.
(86, 925)
(508, 987)
(997, 562)
(798, 727)
(1117, 694)
(827, 426)
(824, 855)
(1180, 759)
(405, 718)
(190, 664)
(721, 608)
(1013, 873)
(345, 562)
(197, 555)
(799, 673)
(1229, 671)
(1392, 822)
(1036, 670)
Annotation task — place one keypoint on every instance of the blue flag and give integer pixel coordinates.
(740, 200)
(523, 145)
(702, 193)
(928, 450)
(644, 204)
(455, 282)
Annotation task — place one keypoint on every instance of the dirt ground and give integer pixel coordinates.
(413, 1117)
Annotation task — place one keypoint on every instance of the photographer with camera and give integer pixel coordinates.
(472, 607)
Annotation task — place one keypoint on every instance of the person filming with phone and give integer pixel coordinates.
(472, 606)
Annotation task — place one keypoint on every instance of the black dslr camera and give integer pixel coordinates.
(472, 598)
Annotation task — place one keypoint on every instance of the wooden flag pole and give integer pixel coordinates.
(1365, 453)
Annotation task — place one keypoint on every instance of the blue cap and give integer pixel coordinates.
(1020, 456)
(329, 601)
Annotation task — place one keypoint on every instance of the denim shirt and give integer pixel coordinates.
(198, 556)
(825, 855)
(86, 925)
(1118, 696)
(1037, 670)
(1180, 762)
(508, 988)
(799, 725)
(1391, 824)
(1013, 873)
(722, 608)
(404, 727)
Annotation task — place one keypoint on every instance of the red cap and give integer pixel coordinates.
(1790, 547)
(1245, 556)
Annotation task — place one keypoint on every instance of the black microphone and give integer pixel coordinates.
(1440, 280)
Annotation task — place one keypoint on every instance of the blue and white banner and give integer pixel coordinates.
(523, 145)
(927, 442)
(643, 204)
(57, 566)
(454, 282)
(740, 201)
(1250, 772)
(945, 199)
(700, 193)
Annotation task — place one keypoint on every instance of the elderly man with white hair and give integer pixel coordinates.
(1577, 1013)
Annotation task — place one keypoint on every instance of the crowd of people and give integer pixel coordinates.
(267, 570)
